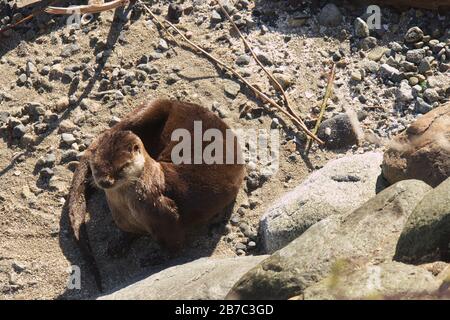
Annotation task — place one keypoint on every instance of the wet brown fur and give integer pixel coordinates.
(166, 200)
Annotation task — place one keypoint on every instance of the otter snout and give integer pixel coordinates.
(106, 183)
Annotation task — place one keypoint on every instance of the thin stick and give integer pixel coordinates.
(255, 90)
(159, 23)
(328, 93)
(258, 93)
(247, 45)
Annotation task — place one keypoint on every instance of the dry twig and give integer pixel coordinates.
(96, 8)
(323, 106)
(257, 92)
(247, 45)
(85, 9)
(162, 26)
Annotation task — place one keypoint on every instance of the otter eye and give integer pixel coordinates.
(135, 148)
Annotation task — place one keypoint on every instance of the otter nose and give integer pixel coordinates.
(106, 183)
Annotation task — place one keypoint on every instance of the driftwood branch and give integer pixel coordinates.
(257, 92)
(90, 8)
(84, 9)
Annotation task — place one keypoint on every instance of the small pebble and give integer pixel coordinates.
(414, 34)
(68, 138)
(163, 46)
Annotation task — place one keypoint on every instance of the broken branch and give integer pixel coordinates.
(247, 45)
(258, 93)
(155, 18)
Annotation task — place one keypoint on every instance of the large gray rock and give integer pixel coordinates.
(390, 280)
(367, 235)
(339, 187)
(426, 236)
(202, 279)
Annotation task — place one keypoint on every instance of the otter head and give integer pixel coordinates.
(117, 159)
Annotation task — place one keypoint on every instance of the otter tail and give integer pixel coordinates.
(77, 216)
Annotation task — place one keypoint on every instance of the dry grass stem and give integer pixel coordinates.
(323, 106)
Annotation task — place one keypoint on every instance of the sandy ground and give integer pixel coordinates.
(36, 248)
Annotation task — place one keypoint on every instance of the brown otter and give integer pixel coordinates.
(146, 191)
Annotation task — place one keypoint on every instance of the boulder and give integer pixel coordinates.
(390, 280)
(341, 186)
(422, 151)
(426, 236)
(367, 235)
(202, 279)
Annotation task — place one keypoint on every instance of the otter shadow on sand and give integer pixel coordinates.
(144, 258)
